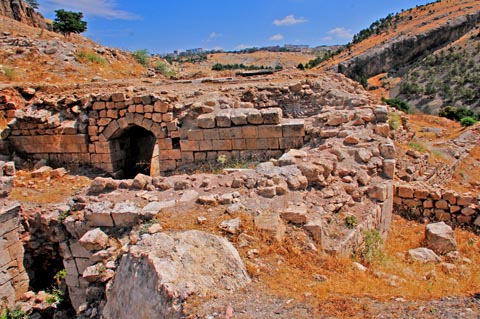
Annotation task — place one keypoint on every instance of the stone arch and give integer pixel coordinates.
(133, 145)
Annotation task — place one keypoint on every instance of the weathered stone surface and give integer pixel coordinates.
(158, 274)
(424, 255)
(141, 181)
(98, 214)
(296, 214)
(440, 238)
(231, 226)
(125, 214)
(272, 223)
(153, 208)
(94, 239)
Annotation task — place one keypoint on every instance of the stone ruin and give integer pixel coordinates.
(329, 169)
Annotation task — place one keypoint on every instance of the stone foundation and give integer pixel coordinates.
(420, 201)
(13, 278)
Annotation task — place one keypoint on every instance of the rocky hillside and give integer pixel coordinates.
(400, 43)
(30, 53)
(21, 11)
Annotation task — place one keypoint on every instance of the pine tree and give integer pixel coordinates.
(68, 22)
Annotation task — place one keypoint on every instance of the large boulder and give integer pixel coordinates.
(440, 238)
(157, 274)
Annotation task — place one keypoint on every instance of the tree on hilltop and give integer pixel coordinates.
(68, 22)
(33, 3)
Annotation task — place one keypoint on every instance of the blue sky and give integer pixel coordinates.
(166, 25)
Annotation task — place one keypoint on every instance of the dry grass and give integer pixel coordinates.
(294, 264)
(465, 179)
(3, 121)
(46, 190)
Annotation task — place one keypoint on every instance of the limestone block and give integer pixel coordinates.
(205, 145)
(442, 204)
(286, 143)
(382, 129)
(381, 113)
(118, 97)
(165, 144)
(195, 135)
(222, 145)
(222, 118)
(239, 144)
(153, 208)
(262, 143)
(424, 255)
(272, 115)
(296, 214)
(254, 117)
(94, 239)
(421, 194)
(387, 150)
(440, 238)
(98, 214)
(98, 106)
(270, 222)
(405, 191)
(160, 106)
(293, 128)
(389, 168)
(336, 119)
(167, 117)
(77, 250)
(206, 121)
(465, 200)
(250, 132)
(186, 145)
(270, 131)
(239, 116)
(157, 117)
(211, 134)
(125, 214)
(156, 268)
(171, 154)
(451, 197)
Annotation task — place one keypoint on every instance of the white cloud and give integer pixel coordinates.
(276, 37)
(343, 33)
(213, 36)
(289, 20)
(95, 8)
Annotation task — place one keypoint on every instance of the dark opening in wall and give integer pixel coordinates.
(135, 150)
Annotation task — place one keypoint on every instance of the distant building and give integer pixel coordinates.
(194, 51)
(296, 47)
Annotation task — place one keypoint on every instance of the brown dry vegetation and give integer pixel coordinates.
(46, 190)
(38, 68)
(294, 263)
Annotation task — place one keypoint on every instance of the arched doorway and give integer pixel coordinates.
(132, 151)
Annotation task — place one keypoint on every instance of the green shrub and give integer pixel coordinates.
(90, 57)
(417, 147)
(372, 246)
(395, 122)
(350, 221)
(16, 313)
(468, 121)
(9, 72)
(164, 69)
(457, 113)
(142, 57)
(398, 104)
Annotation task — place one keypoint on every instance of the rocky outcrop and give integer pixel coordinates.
(405, 49)
(163, 269)
(21, 11)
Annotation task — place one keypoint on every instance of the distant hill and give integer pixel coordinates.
(427, 55)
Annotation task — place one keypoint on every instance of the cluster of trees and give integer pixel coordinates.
(329, 54)
(376, 27)
(460, 114)
(190, 58)
(398, 104)
(222, 67)
(452, 75)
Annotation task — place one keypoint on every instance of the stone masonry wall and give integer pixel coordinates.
(420, 201)
(13, 278)
(87, 131)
